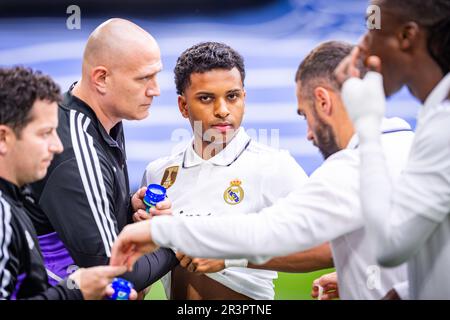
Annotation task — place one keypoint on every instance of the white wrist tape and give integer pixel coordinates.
(242, 263)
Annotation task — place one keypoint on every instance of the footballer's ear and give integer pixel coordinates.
(6, 137)
(323, 101)
(182, 105)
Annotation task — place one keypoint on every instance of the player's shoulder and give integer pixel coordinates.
(264, 150)
(161, 163)
(339, 162)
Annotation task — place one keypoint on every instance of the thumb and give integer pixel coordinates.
(374, 64)
(142, 191)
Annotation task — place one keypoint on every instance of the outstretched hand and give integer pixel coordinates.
(134, 241)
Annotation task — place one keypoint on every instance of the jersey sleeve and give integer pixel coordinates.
(326, 207)
(401, 215)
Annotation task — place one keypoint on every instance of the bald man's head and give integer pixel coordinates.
(120, 64)
(116, 41)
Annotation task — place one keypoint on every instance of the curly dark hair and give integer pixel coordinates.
(204, 57)
(20, 87)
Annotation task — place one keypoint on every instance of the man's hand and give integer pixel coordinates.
(199, 265)
(95, 282)
(328, 282)
(137, 200)
(133, 242)
(364, 99)
(162, 208)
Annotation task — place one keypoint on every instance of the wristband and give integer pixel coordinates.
(241, 263)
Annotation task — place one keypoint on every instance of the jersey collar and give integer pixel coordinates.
(226, 157)
(438, 94)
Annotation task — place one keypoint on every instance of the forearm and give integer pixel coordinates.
(250, 237)
(307, 261)
(397, 231)
(151, 267)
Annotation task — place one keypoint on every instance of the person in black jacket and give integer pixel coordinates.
(28, 142)
(85, 196)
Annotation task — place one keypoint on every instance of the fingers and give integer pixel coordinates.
(141, 192)
(348, 67)
(157, 212)
(185, 261)
(132, 260)
(111, 272)
(192, 267)
(119, 252)
(328, 279)
(315, 289)
(330, 295)
(165, 204)
(162, 208)
(179, 255)
(133, 295)
(141, 215)
(137, 199)
(109, 291)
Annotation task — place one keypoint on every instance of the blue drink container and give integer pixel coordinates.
(154, 194)
(122, 289)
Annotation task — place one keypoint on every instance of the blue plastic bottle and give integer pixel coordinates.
(122, 289)
(154, 194)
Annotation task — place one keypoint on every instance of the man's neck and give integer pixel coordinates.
(7, 174)
(424, 79)
(207, 150)
(107, 121)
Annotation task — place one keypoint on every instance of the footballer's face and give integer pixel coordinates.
(386, 43)
(319, 131)
(214, 103)
(32, 151)
(133, 84)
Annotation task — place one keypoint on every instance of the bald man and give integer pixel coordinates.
(85, 194)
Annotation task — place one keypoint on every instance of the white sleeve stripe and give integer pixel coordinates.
(94, 179)
(74, 136)
(90, 185)
(102, 186)
(5, 240)
(105, 212)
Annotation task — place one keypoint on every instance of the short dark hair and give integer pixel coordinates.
(319, 65)
(434, 17)
(204, 57)
(20, 87)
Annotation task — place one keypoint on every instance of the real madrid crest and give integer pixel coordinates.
(169, 177)
(234, 194)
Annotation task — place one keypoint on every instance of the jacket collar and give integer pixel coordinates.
(71, 102)
(11, 190)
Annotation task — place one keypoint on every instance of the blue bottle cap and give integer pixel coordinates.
(122, 289)
(154, 194)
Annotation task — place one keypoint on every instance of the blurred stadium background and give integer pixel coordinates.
(272, 35)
